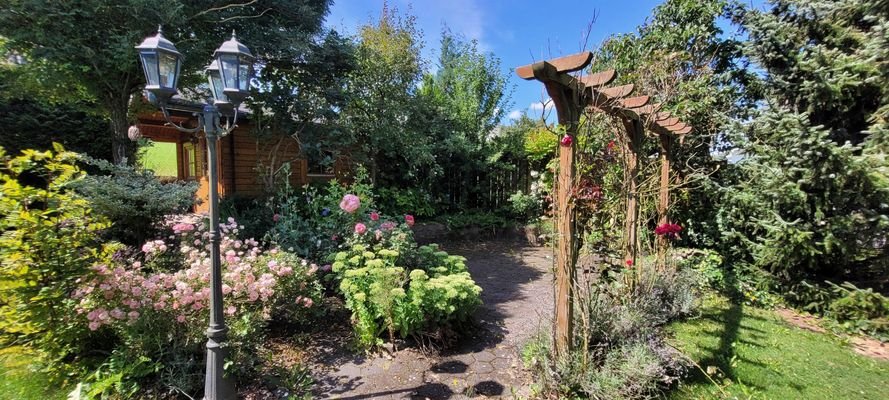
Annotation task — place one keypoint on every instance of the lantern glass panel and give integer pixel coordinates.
(244, 74)
(149, 64)
(216, 86)
(169, 69)
(228, 65)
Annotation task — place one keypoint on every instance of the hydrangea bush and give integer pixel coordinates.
(393, 286)
(157, 299)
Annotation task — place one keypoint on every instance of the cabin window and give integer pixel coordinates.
(160, 157)
(320, 163)
(189, 161)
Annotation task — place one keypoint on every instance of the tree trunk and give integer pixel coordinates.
(121, 146)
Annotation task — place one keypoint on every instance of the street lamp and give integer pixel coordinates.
(229, 77)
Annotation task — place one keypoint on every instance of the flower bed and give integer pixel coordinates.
(157, 300)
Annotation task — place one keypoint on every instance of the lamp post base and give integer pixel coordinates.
(216, 386)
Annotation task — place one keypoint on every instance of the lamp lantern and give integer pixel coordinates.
(160, 62)
(235, 63)
(214, 78)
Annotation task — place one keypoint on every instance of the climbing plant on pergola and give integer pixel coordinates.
(573, 96)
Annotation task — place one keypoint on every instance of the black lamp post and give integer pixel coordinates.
(229, 77)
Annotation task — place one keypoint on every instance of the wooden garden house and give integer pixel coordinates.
(246, 163)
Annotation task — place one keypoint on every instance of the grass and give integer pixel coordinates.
(161, 158)
(19, 382)
(753, 354)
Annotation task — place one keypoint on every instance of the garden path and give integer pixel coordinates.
(517, 292)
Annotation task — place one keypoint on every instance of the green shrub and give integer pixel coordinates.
(413, 201)
(49, 240)
(849, 308)
(707, 263)
(526, 206)
(387, 297)
(619, 346)
(134, 200)
(257, 215)
(310, 221)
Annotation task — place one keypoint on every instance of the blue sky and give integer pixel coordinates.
(518, 32)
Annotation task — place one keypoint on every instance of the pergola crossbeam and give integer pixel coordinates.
(599, 78)
(634, 102)
(574, 62)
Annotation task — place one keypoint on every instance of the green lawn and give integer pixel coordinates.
(161, 158)
(759, 356)
(19, 382)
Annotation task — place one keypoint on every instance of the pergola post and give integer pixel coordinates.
(663, 205)
(568, 96)
(634, 133)
(566, 242)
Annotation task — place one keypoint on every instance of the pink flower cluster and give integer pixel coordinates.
(251, 278)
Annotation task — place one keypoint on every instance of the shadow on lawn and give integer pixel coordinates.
(723, 355)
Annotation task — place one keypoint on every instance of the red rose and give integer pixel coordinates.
(567, 140)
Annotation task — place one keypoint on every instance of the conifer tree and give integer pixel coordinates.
(812, 200)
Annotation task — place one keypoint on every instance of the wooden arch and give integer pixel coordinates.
(572, 96)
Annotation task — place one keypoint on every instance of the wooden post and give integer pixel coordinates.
(568, 96)
(568, 110)
(633, 143)
(666, 144)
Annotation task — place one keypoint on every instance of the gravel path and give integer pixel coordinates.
(517, 296)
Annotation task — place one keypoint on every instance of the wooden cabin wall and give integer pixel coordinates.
(247, 162)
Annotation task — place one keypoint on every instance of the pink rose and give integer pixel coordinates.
(387, 226)
(350, 203)
(374, 216)
(360, 228)
(409, 219)
(378, 234)
(276, 217)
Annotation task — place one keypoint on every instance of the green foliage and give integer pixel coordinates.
(49, 240)
(540, 145)
(847, 307)
(620, 349)
(470, 87)
(414, 201)
(91, 45)
(814, 209)
(386, 296)
(811, 199)
(21, 379)
(134, 200)
(29, 123)
(526, 207)
(428, 138)
(708, 264)
(310, 220)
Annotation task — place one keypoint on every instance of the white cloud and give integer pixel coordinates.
(539, 106)
(515, 114)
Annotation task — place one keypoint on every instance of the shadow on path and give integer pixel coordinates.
(516, 293)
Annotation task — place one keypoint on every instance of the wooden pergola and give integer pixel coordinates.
(572, 96)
